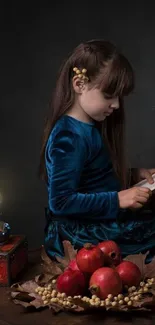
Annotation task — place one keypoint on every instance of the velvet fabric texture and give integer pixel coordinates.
(83, 194)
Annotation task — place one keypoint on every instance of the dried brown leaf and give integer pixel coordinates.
(27, 299)
(50, 268)
(37, 302)
(45, 257)
(44, 279)
(22, 303)
(139, 260)
(141, 309)
(56, 308)
(69, 250)
(35, 295)
(38, 278)
(69, 254)
(54, 268)
(147, 270)
(147, 301)
(152, 289)
(79, 309)
(81, 305)
(23, 296)
(63, 262)
(28, 286)
(14, 294)
(17, 287)
(118, 308)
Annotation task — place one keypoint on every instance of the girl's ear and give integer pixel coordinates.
(78, 84)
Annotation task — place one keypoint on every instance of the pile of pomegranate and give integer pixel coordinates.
(98, 270)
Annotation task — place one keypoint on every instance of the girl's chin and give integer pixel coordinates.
(101, 119)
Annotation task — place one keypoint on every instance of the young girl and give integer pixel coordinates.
(82, 157)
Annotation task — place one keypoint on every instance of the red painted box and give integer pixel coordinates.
(13, 259)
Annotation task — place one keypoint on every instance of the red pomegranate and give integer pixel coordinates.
(105, 281)
(89, 258)
(129, 273)
(112, 252)
(71, 282)
(73, 265)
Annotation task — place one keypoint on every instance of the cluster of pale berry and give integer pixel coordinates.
(109, 301)
(50, 295)
(136, 294)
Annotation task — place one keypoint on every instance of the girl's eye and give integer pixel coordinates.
(108, 96)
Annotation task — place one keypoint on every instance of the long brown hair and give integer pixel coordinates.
(107, 70)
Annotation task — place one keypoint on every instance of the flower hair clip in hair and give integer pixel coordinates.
(81, 73)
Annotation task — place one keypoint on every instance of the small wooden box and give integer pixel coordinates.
(13, 259)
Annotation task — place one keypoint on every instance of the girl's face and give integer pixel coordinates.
(95, 104)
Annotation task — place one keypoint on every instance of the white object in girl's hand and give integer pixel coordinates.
(144, 183)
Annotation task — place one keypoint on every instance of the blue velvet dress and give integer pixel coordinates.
(83, 194)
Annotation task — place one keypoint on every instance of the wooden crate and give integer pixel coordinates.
(13, 259)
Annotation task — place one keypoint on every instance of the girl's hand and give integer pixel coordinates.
(134, 198)
(147, 174)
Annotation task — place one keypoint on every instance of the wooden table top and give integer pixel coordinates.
(11, 314)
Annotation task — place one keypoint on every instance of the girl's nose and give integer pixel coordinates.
(115, 103)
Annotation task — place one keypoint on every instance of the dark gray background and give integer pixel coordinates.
(35, 38)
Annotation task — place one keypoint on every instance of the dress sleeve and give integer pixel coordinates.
(65, 159)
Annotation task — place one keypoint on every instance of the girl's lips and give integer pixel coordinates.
(109, 113)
